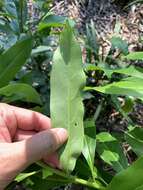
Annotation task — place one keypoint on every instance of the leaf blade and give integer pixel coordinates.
(12, 60)
(128, 179)
(130, 87)
(110, 151)
(68, 112)
(20, 91)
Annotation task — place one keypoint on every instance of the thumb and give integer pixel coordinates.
(42, 144)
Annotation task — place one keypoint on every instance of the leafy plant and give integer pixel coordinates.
(77, 97)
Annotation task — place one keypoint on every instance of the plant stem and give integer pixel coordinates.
(72, 179)
(87, 183)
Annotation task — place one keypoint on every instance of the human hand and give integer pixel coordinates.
(25, 137)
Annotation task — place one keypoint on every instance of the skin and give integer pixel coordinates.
(26, 137)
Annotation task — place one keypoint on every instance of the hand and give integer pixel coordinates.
(25, 137)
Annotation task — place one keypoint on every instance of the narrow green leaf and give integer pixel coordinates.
(130, 71)
(41, 49)
(24, 92)
(129, 179)
(67, 81)
(132, 3)
(23, 176)
(130, 87)
(90, 144)
(135, 139)
(134, 56)
(13, 59)
(110, 151)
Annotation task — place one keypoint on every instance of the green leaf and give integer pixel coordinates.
(110, 151)
(134, 56)
(46, 173)
(23, 176)
(129, 179)
(130, 71)
(122, 45)
(13, 59)
(91, 37)
(90, 144)
(139, 188)
(40, 49)
(128, 105)
(135, 139)
(52, 21)
(130, 87)
(24, 92)
(67, 81)
(48, 184)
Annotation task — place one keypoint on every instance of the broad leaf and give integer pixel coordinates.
(67, 81)
(135, 139)
(110, 151)
(23, 92)
(51, 21)
(90, 144)
(13, 59)
(129, 179)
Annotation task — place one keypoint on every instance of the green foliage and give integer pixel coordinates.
(13, 59)
(120, 44)
(130, 178)
(95, 155)
(110, 151)
(23, 92)
(135, 140)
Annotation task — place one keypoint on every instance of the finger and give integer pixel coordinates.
(21, 135)
(42, 144)
(8, 123)
(30, 120)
